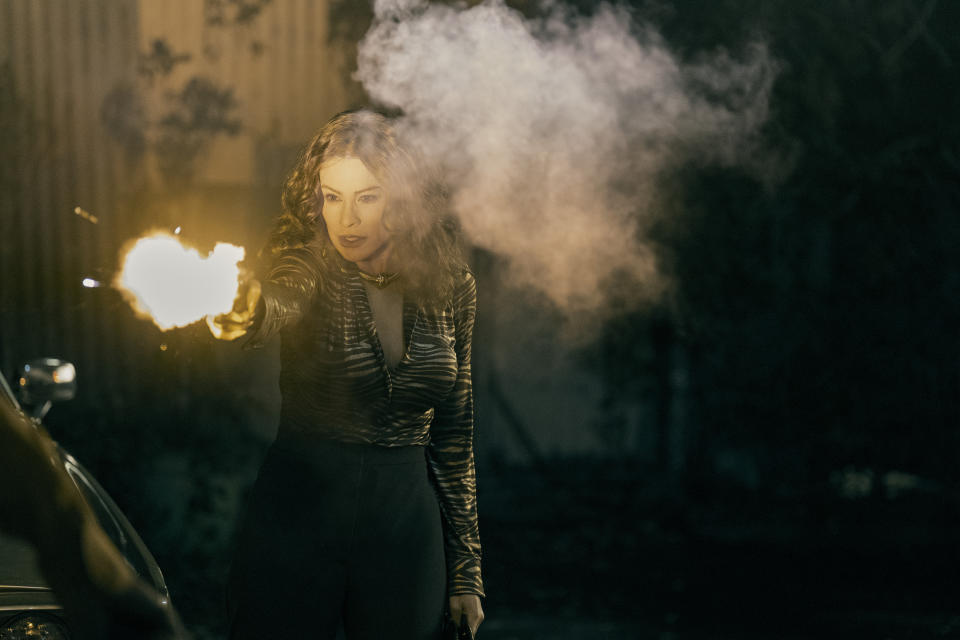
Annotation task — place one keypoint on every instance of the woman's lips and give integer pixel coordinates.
(352, 241)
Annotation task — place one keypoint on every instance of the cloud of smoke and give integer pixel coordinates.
(555, 132)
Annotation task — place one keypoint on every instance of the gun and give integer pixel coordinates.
(454, 631)
(463, 630)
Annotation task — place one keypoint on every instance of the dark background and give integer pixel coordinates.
(797, 393)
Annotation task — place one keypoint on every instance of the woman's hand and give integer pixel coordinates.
(469, 605)
(232, 325)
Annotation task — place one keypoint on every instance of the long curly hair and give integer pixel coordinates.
(426, 240)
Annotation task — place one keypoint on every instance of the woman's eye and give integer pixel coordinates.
(369, 198)
(331, 197)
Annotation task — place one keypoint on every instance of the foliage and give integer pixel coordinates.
(235, 12)
(197, 113)
(189, 117)
(160, 60)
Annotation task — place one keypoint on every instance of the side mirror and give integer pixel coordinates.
(44, 381)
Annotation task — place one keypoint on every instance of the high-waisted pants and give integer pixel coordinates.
(335, 533)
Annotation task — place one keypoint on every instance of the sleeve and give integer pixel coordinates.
(450, 455)
(286, 294)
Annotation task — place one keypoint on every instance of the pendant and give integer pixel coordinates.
(381, 280)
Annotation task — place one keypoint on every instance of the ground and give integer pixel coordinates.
(567, 559)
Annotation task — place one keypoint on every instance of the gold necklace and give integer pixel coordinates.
(381, 279)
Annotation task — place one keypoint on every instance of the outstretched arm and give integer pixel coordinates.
(263, 308)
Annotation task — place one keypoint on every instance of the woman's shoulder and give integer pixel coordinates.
(456, 290)
(463, 275)
(463, 280)
(464, 289)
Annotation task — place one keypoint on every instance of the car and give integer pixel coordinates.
(28, 607)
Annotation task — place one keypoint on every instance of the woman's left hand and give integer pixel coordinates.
(468, 604)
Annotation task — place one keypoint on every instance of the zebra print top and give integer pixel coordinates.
(335, 382)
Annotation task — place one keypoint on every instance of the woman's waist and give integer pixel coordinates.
(385, 424)
(350, 449)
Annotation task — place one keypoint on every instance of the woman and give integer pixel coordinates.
(365, 508)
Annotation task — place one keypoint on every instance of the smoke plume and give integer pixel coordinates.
(556, 131)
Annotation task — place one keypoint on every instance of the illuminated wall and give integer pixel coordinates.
(81, 111)
(60, 60)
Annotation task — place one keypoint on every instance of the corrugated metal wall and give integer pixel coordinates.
(62, 58)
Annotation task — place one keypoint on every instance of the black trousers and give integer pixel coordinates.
(339, 532)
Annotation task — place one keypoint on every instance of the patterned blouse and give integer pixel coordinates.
(335, 381)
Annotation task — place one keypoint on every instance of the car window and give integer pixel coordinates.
(6, 393)
(115, 524)
(104, 516)
(108, 522)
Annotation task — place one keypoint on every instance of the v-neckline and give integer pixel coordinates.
(410, 315)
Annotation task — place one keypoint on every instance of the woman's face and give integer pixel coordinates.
(353, 204)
